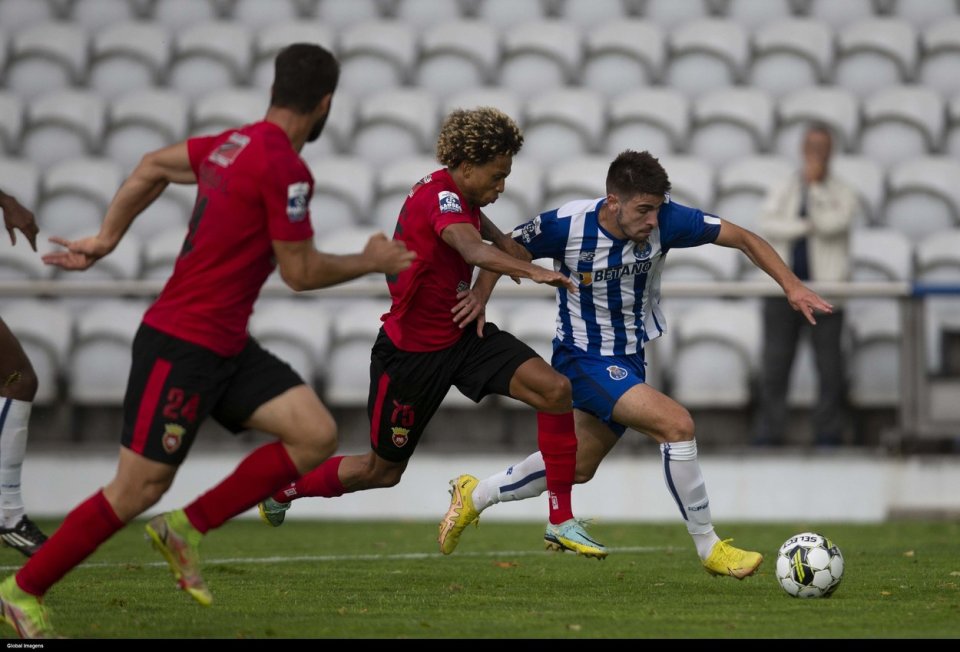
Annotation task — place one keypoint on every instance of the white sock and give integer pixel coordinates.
(527, 479)
(681, 472)
(14, 416)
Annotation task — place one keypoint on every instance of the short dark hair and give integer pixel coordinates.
(477, 135)
(637, 173)
(304, 73)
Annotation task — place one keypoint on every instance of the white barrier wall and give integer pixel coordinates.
(846, 486)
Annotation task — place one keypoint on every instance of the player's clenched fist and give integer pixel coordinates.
(389, 256)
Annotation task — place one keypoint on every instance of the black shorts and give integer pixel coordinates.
(174, 385)
(406, 388)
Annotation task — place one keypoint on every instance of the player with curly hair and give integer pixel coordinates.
(421, 351)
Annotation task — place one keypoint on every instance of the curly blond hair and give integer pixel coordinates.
(478, 136)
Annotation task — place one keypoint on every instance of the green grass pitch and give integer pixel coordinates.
(387, 580)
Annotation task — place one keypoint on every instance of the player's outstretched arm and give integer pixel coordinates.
(16, 217)
(466, 240)
(763, 256)
(302, 267)
(155, 172)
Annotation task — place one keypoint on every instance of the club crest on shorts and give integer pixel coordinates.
(172, 437)
(617, 373)
(400, 436)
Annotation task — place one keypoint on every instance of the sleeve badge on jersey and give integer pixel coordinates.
(528, 231)
(711, 219)
(449, 202)
(297, 201)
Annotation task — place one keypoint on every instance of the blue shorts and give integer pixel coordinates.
(599, 380)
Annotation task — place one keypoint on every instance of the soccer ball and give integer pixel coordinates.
(809, 565)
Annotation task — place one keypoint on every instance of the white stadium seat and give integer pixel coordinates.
(178, 15)
(953, 136)
(63, 124)
(670, 14)
(867, 178)
(902, 122)
(790, 54)
(754, 14)
(940, 43)
(564, 123)
(396, 124)
(841, 15)
(11, 122)
(99, 363)
(503, 14)
(743, 185)
(18, 15)
(540, 57)
(426, 15)
(160, 253)
(692, 181)
(874, 361)
(653, 119)
(257, 14)
(595, 13)
(577, 178)
(76, 193)
(344, 13)
(210, 57)
(45, 58)
(457, 56)
(924, 13)
(338, 132)
(622, 54)
(924, 196)
(880, 255)
(171, 210)
(144, 121)
(354, 330)
(269, 40)
(343, 192)
(394, 182)
(938, 257)
(706, 55)
(45, 331)
(127, 57)
(731, 123)
(705, 264)
(351, 241)
(21, 178)
(836, 107)
(522, 196)
(376, 56)
(716, 353)
(296, 331)
(227, 108)
(875, 53)
(502, 98)
(94, 15)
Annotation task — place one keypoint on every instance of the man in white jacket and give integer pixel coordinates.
(807, 220)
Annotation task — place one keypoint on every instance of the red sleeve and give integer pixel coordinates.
(446, 208)
(287, 188)
(198, 149)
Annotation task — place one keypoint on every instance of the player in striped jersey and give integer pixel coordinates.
(614, 249)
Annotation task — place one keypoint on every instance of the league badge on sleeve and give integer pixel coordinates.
(449, 202)
(297, 201)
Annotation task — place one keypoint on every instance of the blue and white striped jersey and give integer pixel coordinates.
(617, 306)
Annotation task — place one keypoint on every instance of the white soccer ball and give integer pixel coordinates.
(809, 565)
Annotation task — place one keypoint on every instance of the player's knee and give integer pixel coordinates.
(682, 429)
(379, 474)
(557, 395)
(584, 474)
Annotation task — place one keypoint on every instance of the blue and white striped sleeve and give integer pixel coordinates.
(681, 226)
(545, 236)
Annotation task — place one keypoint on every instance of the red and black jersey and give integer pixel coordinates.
(420, 318)
(253, 188)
